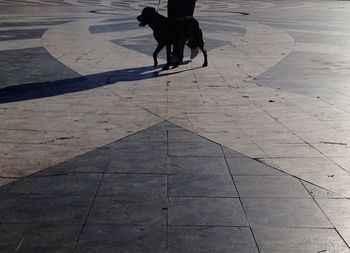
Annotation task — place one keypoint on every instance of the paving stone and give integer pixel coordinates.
(208, 149)
(165, 126)
(21, 34)
(185, 136)
(270, 187)
(112, 210)
(61, 184)
(247, 166)
(345, 233)
(291, 150)
(138, 158)
(44, 209)
(139, 163)
(105, 28)
(31, 238)
(5, 181)
(206, 211)
(22, 61)
(284, 213)
(93, 161)
(307, 166)
(131, 187)
(197, 165)
(299, 240)
(121, 148)
(131, 238)
(29, 23)
(201, 186)
(231, 153)
(210, 239)
(337, 210)
(148, 135)
(335, 183)
(320, 193)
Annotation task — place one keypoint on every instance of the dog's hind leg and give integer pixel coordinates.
(204, 51)
(179, 53)
(156, 52)
(168, 57)
(201, 44)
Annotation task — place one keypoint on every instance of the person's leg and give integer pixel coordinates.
(190, 5)
(192, 44)
(171, 7)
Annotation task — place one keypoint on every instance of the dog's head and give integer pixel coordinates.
(146, 16)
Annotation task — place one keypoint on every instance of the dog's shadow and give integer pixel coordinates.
(30, 91)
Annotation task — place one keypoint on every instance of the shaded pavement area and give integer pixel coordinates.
(163, 189)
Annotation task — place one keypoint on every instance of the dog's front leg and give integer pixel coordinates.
(168, 57)
(156, 52)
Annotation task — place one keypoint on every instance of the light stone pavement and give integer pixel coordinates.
(250, 154)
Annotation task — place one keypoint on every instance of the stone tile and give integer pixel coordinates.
(307, 166)
(165, 126)
(206, 211)
(138, 158)
(139, 163)
(290, 150)
(121, 148)
(131, 187)
(343, 162)
(148, 135)
(297, 240)
(320, 193)
(337, 210)
(47, 67)
(5, 181)
(65, 184)
(270, 187)
(93, 161)
(112, 210)
(284, 213)
(21, 34)
(208, 149)
(336, 151)
(185, 136)
(210, 240)
(248, 166)
(345, 233)
(335, 183)
(201, 186)
(231, 153)
(121, 238)
(44, 209)
(197, 165)
(31, 238)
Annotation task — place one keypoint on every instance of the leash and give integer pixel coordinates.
(158, 6)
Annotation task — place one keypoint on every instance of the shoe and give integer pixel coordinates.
(194, 52)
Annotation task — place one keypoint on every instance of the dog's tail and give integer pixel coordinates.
(197, 38)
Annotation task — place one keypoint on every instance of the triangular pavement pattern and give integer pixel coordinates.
(163, 189)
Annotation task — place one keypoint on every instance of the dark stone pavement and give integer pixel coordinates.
(163, 189)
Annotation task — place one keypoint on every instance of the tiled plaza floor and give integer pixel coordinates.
(100, 152)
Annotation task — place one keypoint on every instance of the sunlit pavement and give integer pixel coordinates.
(100, 152)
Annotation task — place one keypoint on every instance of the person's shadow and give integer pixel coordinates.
(29, 91)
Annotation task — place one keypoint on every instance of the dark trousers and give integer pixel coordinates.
(182, 8)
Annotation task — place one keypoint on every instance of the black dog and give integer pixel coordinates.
(168, 32)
